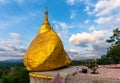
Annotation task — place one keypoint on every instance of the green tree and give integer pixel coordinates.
(115, 38)
(114, 51)
(105, 60)
(1, 72)
(20, 75)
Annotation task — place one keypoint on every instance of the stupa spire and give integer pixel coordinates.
(45, 25)
(46, 15)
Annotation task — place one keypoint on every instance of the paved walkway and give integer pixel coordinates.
(105, 76)
(104, 73)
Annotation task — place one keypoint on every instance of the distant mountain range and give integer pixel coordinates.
(21, 60)
(12, 61)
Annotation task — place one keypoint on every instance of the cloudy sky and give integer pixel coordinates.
(83, 25)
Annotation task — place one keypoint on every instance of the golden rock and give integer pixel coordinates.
(46, 52)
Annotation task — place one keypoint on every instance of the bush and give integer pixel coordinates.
(20, 75)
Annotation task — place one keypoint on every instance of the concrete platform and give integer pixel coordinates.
(104, 76)
(46, 76)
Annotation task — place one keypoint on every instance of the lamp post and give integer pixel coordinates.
(95, 60)
(95, 66)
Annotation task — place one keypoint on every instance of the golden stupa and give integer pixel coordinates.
(46, 52)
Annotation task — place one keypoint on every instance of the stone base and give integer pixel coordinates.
(46, 76)
(70, 77)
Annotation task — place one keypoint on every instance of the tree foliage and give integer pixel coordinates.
(115, 38)
(19, 75)
(113, 52)
(105, 60)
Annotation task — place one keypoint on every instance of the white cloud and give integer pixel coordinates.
(15, 38)
(103, 20)
(81, 39)
(92, 28)
(99, 35)
(60, 25)
(73, 14)
(12, 48)
(10, 1)
(78, 54)
(87, 8)
(61, 28)
(7, 57)
(117, 20)
(94, 40)
(73, 2)
(89, 3)
(87, 21)
(63, 25)
(15, 35)
(73, 51)
(105, 12)
(104, 7)
(82, 53)
(84, 39)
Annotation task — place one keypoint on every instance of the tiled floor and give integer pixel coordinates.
(104, 73)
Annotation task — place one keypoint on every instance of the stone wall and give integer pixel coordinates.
(77, 79)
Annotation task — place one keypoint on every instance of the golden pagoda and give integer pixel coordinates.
(46, 52)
